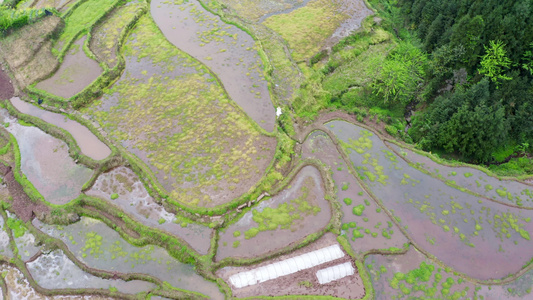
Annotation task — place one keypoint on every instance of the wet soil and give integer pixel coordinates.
(89, 144)
(6, 87)
(461, 230)
(357, 12)
(228, 51)
(21, 204)
(75, 73)
(270, 241)
(350, 287)
(375, 227)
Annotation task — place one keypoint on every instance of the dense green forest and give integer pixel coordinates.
(481, 55)
(465, 68)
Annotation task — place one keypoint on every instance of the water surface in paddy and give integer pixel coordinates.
(89, 144)
(233, 245)
(227, 50)
(509, 191)
(461, 230)
(414, 276)
(56, 271)
(134, 199)
(75, 73)
(46, 163)
(100, 247)
(373, 229)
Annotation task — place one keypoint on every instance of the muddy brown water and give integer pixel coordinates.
(75, 73)
(379, 232)
(404, 263)
(89, 143)
(270, 241)
(135, 200)
(350, 287)
(228, 51)
(461, 230)
(507, 191)
(46, 163)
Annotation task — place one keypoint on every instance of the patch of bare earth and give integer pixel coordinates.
(304, 282)
(28, 50)
(21, 204)
(6, 88)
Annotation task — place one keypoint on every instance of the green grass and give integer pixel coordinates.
(83, 17)
(306, 28)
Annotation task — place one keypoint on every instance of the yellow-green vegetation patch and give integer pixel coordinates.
(427, 280)
(106, 35)
(84, 16)
(285, 214)
(17, 227)
(307, 28)
(202, 149)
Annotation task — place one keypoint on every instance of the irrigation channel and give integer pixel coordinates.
(143, 157)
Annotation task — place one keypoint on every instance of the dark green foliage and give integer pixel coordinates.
(468, 41)
(465, 122)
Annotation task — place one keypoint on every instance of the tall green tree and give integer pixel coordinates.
(495, 62)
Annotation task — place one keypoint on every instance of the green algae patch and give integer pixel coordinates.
(17, 227)
(347, 201)
(306, 28)
(202, 149)
(283, 216)
(358, 210)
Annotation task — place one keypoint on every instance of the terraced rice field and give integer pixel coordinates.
(148, 151)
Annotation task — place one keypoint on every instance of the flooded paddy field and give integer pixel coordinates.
(178, 121)
(364, 223)
(46, 163)
(413, 276)
(477, 181)
(76, 72)
(55, 271)
(131, 197)
(225, 49)
(89, 143)
(100, 247)
(280, 221)
(303, 282)
(437, 217)
(19, 288)
(209, 192)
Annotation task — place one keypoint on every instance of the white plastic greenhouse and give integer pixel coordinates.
(287, 266)
(330, 274)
